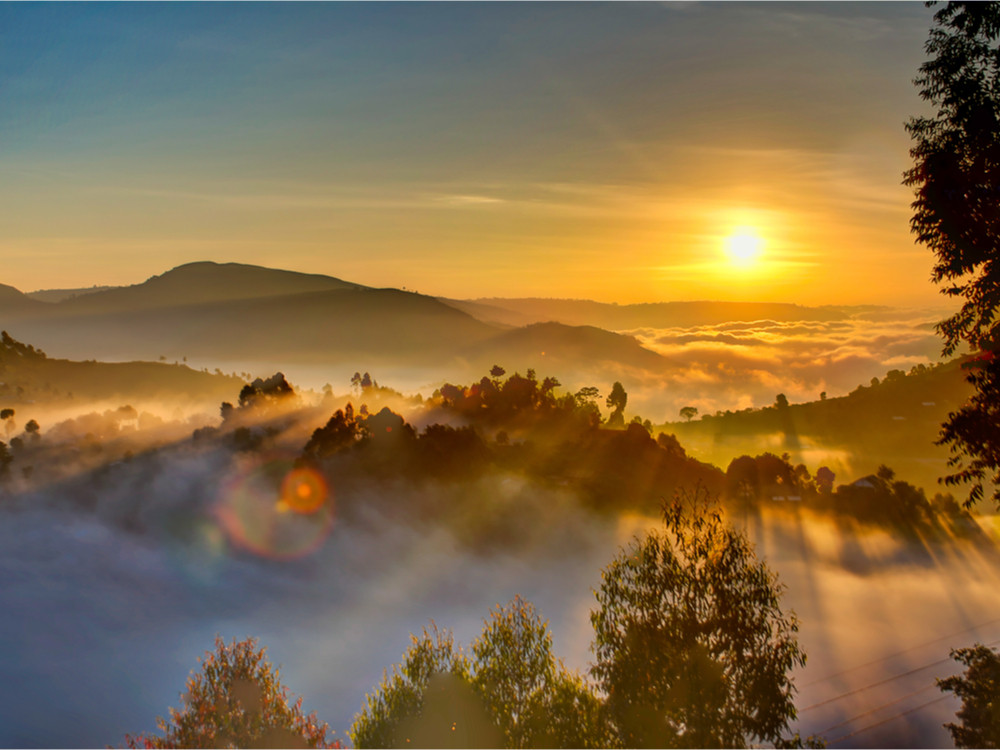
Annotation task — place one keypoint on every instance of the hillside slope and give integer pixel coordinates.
(232, 312)
(27, 375)
(895, 422)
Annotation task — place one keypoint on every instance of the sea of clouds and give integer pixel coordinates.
(737, 365)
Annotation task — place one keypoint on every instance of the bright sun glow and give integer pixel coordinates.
(743, 247)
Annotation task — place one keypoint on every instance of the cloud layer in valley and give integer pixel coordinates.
(745, 364)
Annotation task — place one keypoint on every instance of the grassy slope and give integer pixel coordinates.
(895, 422)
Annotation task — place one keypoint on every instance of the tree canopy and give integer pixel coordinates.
(978, 688)
(236, 701)
(510, 692)
(616, 401)
(956, 178)
(692, 646)
(425, 701)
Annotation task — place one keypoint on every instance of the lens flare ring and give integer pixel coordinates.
(276, 510)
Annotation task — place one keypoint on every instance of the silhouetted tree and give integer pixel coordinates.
(341, 431)
(743, 481)
(32, 428)
(692, 647)
(643, 423)
(886, 474)
(452, 450)
(545, 391)
(7, 415)
(956, 174)
(781, 401)
(824, 480)
(236, 701)
(265, 393)
(689, 412)
(452, 394)
(978, 688)
(616, 401)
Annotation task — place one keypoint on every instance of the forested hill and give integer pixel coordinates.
(894, 420)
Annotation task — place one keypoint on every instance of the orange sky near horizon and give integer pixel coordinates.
(528, 170)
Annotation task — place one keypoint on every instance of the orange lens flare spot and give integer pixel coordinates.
(303, 491)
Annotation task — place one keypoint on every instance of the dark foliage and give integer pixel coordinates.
(979, 689)
(956, 177)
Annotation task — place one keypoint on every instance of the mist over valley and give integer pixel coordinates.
(147, 509)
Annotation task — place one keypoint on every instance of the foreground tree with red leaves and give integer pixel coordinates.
(236, 701)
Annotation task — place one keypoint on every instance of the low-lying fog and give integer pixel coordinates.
(131, 545)
(732, 365)
(105, 608)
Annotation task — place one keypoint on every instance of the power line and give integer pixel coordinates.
(891, 718)
(875, 710)
(874, 684)
(883, 682)
(900, 653)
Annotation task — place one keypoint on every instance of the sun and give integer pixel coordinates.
(743, 247)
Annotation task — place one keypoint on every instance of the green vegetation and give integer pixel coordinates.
(693, 650)
(509, 692)
(692, 647)
(895, 421)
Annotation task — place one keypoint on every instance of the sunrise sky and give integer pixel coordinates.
(626, 152)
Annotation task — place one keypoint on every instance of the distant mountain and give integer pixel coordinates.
(546, 346)
(14, 302)
(205, 282)
(524, 311)
(232, 312)
(58, 295)
(244, 314)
